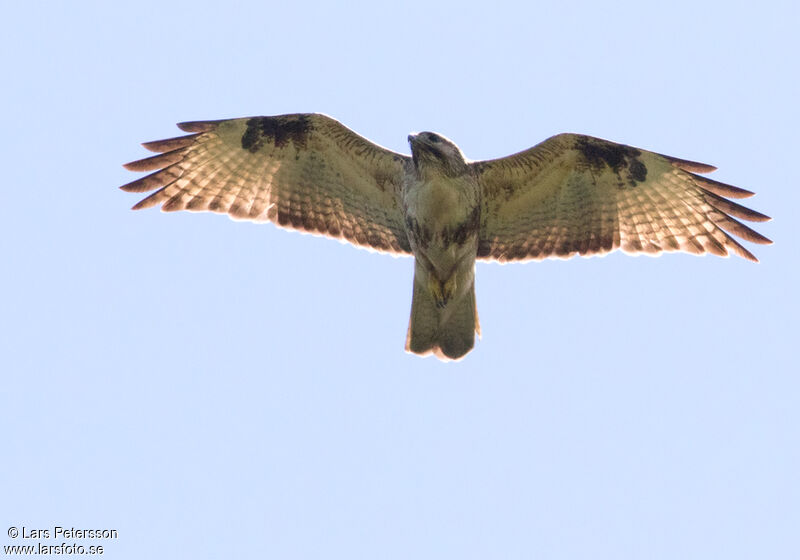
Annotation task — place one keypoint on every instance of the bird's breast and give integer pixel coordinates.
(441, 202)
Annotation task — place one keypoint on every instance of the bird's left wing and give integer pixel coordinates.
(579, 195)
(306, 172)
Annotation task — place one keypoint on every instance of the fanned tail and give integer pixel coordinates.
(447, 332)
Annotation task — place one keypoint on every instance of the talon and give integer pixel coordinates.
(442, 291)
(436, 290)
(450, 286)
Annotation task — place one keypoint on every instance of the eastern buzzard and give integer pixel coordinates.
(570, 195)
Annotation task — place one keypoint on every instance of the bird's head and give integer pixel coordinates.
(431, 151)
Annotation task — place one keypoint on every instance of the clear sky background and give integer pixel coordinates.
(214, 389)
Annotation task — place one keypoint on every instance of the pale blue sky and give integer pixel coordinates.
(214, 389)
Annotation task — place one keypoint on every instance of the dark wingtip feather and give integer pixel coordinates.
(133, 165)
(738, 228)
(721, 189)
(741, 251)
(140, 185)
(149, 202)
(140, 206)
(155, 162)
(149, 182)
(198, 126)
(170, 143)
(691, 166)
(726, 206)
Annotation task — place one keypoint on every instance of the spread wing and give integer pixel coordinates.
(306, 172)
(578, 195)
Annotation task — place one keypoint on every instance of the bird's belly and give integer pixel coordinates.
(443, 219)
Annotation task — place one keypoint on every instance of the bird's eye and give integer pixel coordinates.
(433, 139)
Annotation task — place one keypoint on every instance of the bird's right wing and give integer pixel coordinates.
(306, 172)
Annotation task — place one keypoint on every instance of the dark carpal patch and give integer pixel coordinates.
(276, 130)
(638, 170)
(620, 158)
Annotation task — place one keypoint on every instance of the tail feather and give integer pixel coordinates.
(448, 332)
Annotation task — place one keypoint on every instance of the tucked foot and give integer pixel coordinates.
(442, 292)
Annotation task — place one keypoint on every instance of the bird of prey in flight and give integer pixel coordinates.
(569, 195)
